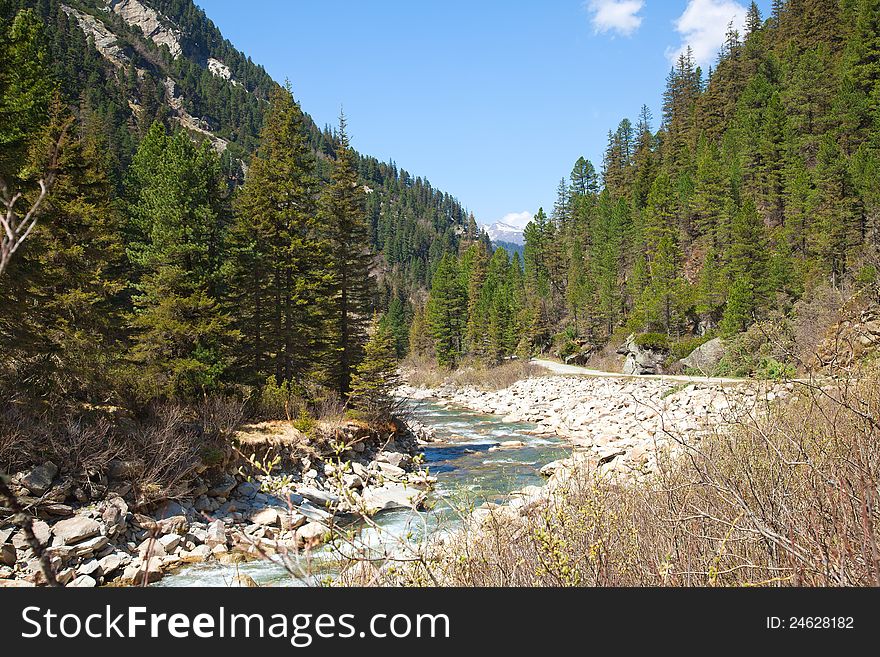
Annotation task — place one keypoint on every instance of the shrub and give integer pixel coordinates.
(658, 341)
(786, 498)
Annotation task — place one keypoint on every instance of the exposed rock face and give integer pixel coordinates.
(189, 121)
(105, 41)
(154, 26)
(706, 357)
(641, 360)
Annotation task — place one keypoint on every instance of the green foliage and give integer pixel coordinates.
(447, 312)
(658, 341)
(376, 377)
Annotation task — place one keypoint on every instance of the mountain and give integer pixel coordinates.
(501, 232)
(124, 64)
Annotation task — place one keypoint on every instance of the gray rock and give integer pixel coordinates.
(223, 486)
(216, 534)
(169, 542)
(247, 489)
(266, 517)
(91, 567)
(153, 547)
(169, 509)
(110, 563)
(319, 497)
(705, 357)
(390, 470)
(65, 576)
(89, 546)
(395, 496)
(39, 479)
(137, 575)
(641, 360)
(84, 582)
(353, 481)
(76, 529)
(178, 525)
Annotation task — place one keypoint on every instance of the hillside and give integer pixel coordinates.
(128, 63)
(749, 211)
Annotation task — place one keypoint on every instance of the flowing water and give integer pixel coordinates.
(468, 473)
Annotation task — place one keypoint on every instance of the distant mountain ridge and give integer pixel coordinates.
(501, 232)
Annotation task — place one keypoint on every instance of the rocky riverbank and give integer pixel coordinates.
(621, 425)
(271, 500)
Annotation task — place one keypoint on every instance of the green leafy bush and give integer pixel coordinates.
(659, 341)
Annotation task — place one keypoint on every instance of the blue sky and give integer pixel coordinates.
(491, 101)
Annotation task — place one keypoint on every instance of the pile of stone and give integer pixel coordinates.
(233, 517)
(621, 424)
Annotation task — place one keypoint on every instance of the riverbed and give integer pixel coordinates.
(471, 469)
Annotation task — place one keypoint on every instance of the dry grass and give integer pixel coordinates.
(471, 373)
(789, 497)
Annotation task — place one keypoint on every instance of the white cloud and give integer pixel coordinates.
(620, 16)
(703, 27)
(517, 219)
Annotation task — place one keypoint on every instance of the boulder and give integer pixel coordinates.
(91, 567)
(390, 470)
(76, 529)
(312, 535)
(317, 496)
(706, 357)
(396, 459)
(292, 520)
(247, 489)
(110, 563)
(169, 542)
(153, 547)
(392, 497)
(353, 481)
(137, 575)
(178, 525)
(641, 360)
(268, 517)
(216, 534)
(89, 546)
(84, 582)
(222, 486)
(169, 509)
(39, 479)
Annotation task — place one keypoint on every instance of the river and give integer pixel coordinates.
(469, 472)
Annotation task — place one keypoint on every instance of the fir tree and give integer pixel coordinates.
(447, 312)
(352, 285)
(375, 379)
(279, 269)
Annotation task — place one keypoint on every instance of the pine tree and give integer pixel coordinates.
(279, 269)
(447, 312)
(376, 378)
(181, 336)
(420, 342)
(343, 211)
(61, 302)
(25, 89)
